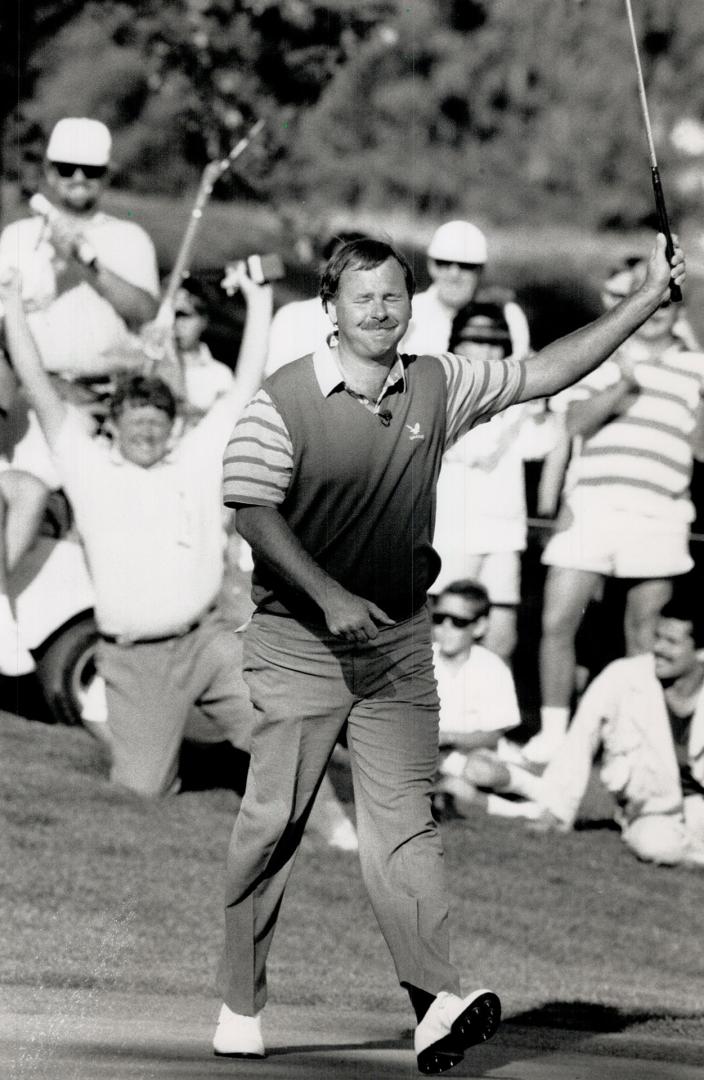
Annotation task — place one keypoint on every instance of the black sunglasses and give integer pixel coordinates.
(445, 263)
(439, 617)
(66, 169)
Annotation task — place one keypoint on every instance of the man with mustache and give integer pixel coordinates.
(332, 469)
(646, 715)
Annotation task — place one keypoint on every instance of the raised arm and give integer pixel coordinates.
(48, 405)
(566, 361)
(251, 359)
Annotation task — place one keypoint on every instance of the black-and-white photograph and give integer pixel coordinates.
(352, 539)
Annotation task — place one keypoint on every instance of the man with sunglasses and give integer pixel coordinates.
(478, 706)
(457, 256)
(88, 278)
(634, 423)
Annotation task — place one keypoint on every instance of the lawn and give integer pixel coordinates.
(103, 891)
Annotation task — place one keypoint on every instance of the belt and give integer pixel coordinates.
(125, 639)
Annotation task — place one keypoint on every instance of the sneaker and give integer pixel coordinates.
(344, 837)
(237, 1035)
(451, 1025)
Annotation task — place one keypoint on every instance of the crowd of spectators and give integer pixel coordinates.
(79, 286)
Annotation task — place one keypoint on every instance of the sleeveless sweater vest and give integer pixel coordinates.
(361, 498)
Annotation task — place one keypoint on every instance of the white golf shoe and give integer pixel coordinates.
(451, 1025)
(237, 1035)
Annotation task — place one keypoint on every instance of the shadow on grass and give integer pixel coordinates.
(581, 1016)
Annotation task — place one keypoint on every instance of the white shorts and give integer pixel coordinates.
(617, 543)
(499, 573)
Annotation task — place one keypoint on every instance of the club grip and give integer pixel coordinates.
(664, 223)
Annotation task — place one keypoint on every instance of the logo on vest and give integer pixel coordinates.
(415, 432)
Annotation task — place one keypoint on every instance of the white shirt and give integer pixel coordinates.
(153, 537)
(74, 327)
(206, 378)
(481, 501)
(297, 329)
(430, 328)
(477, 695)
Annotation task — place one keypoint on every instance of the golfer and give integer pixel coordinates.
(332, 469)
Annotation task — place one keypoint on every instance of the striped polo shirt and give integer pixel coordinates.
(641, 459)
(364, 474)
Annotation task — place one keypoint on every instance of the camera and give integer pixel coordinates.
(265, 268)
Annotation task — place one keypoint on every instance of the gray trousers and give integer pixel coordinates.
(152, 690)
(304, 684)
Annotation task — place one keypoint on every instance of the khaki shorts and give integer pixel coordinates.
(618, 543)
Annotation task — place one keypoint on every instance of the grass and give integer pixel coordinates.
(103, 891)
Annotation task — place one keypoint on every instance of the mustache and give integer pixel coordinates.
(379, 324)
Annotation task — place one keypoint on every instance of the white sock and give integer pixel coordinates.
(554, 720)
(5, 608)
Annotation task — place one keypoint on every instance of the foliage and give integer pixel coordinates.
(500, 109)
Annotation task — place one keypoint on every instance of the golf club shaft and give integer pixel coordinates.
(663, 220)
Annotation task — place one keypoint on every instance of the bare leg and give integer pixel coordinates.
(500, 636)
(567, 593)
(644, 602)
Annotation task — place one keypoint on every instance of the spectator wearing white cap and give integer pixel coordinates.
(457, 254)
(474, 536)
(88, 278)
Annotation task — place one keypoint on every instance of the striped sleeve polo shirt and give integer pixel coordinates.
(355, 482)
(642, 458)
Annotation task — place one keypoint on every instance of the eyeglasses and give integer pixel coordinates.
(439, 617)
(67, 169)
(445, 264)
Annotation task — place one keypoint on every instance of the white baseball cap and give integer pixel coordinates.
(79, 140)
(458, 241)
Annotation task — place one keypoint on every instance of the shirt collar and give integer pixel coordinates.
(330, 377)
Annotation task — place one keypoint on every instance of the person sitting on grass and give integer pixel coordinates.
(478, 706)
(645, 714)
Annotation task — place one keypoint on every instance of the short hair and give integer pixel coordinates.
(336, 240)
(364, 254)
(682, 607)
(138, 390)
(470, 590)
